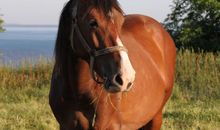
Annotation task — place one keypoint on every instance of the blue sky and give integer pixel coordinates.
(48, 11)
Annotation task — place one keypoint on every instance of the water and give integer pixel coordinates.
(19, 43)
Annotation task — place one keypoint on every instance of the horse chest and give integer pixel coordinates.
(123, 112)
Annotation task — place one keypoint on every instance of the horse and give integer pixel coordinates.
(112, 71)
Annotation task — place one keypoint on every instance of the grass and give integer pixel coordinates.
(194, 105)
(24, 97)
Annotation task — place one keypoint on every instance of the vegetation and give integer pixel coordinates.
(1, 28)
(195, 102)
(24, 97)
(194, 105)
(195, 24)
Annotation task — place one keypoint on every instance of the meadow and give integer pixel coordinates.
(194, 105)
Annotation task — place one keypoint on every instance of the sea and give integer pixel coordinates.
(19, 43)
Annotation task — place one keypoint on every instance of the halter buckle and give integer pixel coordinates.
(74, 20)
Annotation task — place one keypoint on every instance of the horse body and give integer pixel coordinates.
(149, 46)
(153, 58)
(79, 103)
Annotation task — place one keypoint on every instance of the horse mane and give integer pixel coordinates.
(107, 5)
(63, 51)
(63, 48)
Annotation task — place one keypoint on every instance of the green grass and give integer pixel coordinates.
(192, 115)
(26, 109)
(194, 105)
(24, 97)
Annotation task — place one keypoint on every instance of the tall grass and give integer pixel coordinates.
(24, 96)
(195, 102)
(198, 76)
(194, 105)
(27, 74)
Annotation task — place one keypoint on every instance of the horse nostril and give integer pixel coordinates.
(118, 79)
(129, 85)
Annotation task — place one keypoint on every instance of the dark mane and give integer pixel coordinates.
(62, 51)
(107, 5)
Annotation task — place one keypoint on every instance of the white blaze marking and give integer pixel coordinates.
(118, 41)
(126, 67)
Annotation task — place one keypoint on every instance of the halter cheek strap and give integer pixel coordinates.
(92, 53)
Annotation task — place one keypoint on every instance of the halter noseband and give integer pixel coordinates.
(92, 52)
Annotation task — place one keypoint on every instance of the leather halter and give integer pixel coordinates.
(92, 52)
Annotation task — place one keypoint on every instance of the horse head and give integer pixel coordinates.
(95, 38)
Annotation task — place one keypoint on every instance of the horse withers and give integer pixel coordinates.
(112, 71)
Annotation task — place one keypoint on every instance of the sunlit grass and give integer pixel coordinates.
(194, 105)
(26, 109)
(24, 97)
(195, 102)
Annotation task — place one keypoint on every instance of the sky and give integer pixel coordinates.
(47, 12)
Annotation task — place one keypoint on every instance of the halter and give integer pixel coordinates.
(92, 52)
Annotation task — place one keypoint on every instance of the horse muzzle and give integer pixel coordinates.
(118, 83)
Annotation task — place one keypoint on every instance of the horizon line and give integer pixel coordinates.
(30, 25)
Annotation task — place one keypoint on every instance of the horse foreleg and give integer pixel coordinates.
(155, 123)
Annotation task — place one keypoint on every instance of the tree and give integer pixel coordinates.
(195, 24)
(1, 28)
(1, 22)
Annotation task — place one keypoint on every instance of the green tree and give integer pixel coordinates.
(1, 28)
(195, 24)
(1, 22)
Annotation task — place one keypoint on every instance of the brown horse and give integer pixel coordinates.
(112, 71)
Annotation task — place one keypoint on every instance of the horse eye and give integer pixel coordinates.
(93, 24)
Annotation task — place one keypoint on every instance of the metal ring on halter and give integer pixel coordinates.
(92, 53)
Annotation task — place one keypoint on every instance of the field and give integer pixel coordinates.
(194, 105)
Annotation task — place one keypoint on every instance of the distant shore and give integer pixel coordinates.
(31, 25)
